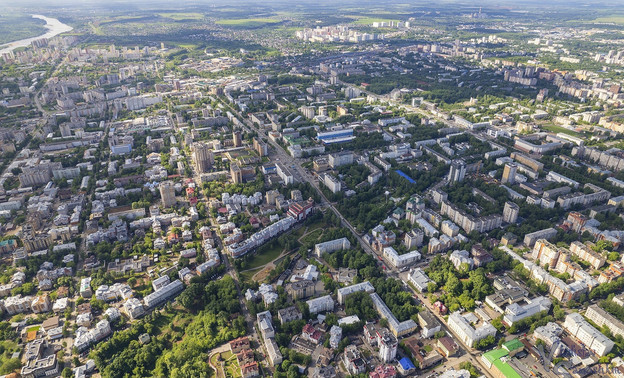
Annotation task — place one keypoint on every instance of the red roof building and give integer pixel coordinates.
(239, 344)
(300, 210)
(384, 371)
(311, 334)
(250, 370)
(440, 307)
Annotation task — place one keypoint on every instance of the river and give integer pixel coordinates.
(54, 26)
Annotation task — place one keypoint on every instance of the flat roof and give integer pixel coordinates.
(495, 355)
(506, 369)
(406, 363)
(513, 345)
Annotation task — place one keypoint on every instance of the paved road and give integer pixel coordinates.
(295, 165)
(302, 175)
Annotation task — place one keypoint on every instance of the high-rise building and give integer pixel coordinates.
(510, 212)
(237, 138)
(65, 130)
(509, 173)
(261, 147)
(308, 111)
(167, 194)
(387, 345)
(202, 156)
(237, 174)
(457, 171)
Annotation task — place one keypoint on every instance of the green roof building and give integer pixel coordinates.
(494, 355)
(513, 346)
(504, 370)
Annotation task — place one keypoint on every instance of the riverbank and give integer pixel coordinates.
(54, 26)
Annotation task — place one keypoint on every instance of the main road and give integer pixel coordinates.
(301, 173)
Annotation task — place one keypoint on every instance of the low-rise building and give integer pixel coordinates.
(163, 294)
(428, 324)
(419, 279)
(515, 312)
(346, 291)
(289, 314)
(398, 329)
(464, 330)
(353, 361)
(331, 246)
(400, 261)
(335, 335)
(321, 304)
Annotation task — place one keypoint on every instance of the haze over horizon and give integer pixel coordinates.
(311, 189)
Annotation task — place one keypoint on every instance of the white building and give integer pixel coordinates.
(335, 335)
(387, 345)
(400, 261)
(321, 304)
(515, 312)
(602, 318)
(133, 308)
(331, 246)
(419, 279)
(265, 323)
(163, 294)
(588, 335)
(85, 288)
(332, 183)
(340, 158)
(461, 257)
(428, 323)
(465, 332)
(346, 291)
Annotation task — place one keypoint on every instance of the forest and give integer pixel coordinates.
(461, 289)
(180, 340)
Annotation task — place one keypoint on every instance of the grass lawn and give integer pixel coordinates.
(312, 236)
(428, 348)
(162, 322)
(213, 359)
(259, 260)
(559, 129)
(298, 232)
(248, 22)
(230, 364)
(232, 369)
(188, 46)
(317, 225)
(35, 328)
(217, 365)
(246, 275)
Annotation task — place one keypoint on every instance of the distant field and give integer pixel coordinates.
(182, 16)
(248, 22)
(370, 20)
(613, 19)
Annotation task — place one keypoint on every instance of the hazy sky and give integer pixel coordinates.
(34, 5)
(185, 3)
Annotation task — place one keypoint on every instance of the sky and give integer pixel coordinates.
(34, 5)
